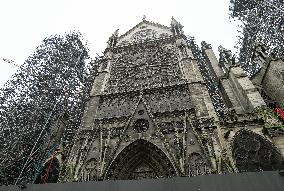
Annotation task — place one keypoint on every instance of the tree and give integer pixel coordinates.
(53, 82)
(262, 22)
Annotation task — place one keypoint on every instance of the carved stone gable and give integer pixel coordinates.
(144, 31)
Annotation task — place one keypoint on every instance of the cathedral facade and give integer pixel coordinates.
(151, 113)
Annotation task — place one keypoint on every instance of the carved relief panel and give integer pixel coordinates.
(144, 34)
(145, 67)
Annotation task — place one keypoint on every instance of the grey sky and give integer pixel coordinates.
(24, 24)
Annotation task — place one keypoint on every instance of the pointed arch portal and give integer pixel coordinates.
(140, 159)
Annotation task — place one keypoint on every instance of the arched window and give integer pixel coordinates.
(252, 152)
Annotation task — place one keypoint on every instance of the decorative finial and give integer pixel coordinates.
(176, 27)
(144, 18)
(205, 45)
(221, 49)
(116, 33)
(113, 39)
(174, 22)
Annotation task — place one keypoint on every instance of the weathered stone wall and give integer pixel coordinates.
(149, 104)
(273, 82)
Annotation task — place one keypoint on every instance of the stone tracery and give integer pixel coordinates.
(252, 152)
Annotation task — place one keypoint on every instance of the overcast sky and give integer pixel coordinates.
(25, 23)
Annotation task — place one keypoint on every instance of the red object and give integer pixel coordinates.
(45, 177)
(279, 112)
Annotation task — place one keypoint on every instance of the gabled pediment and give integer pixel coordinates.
(141, 119)
(144, 30)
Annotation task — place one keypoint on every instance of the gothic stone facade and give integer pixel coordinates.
(150, 114)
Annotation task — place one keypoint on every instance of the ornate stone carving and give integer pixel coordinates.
(191, 142)
(197, 165)
(205, 45)
(91, 164)
(145, 34)
(260, 50)
(155, 135)
(226, 58)
(275, 132)
(90, 171)
(205, 123)
(113, 39)
(141, 125)
(171, 127)
(252, 152)
(176, 27)
(127, 138)
(147, 67)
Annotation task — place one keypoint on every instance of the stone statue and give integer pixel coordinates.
(205, 45)
(176, 27)
(113, 39)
